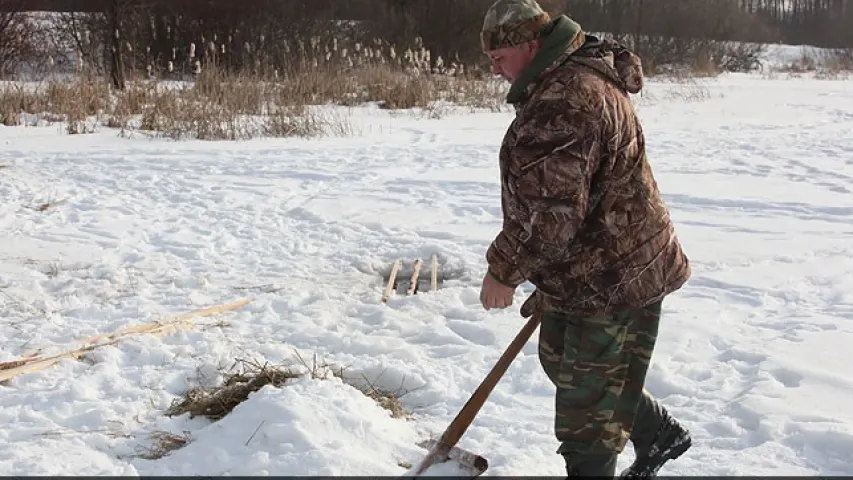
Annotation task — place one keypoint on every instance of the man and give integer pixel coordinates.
(584, 222)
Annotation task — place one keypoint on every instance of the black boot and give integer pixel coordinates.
(590, 464)
(671, 441)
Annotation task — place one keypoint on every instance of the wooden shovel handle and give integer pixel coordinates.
(465, 416)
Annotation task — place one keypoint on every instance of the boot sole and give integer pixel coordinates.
(672, 454)
(678, 451)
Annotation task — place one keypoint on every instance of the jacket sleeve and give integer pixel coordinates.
(552, 161)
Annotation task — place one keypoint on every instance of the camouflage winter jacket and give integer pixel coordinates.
(583, 219)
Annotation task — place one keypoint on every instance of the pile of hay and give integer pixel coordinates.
(217, 402)
(164, 444)
(388, 400)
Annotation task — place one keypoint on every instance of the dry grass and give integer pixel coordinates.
(837, 65)
(674, 88)
(833, 64)
(217, 402)
(388, 400)
(49, 203)
(219, 106)
(46, 205)
(264, 101)
(318, 368)
(164, 443)
(803, 64)
(71, 433)
(74, 102)
(226, 112)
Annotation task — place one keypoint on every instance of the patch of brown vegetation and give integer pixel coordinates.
(164, 444)
(217, 402)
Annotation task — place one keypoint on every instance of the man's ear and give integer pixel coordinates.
(534, 45)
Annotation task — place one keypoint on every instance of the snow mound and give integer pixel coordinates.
(315, 427)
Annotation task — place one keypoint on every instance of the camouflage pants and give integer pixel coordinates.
(599, 366)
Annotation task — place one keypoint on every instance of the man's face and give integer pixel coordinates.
(509, 62)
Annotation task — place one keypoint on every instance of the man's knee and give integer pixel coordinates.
(589, 410)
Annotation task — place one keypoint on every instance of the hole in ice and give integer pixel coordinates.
(403, 280)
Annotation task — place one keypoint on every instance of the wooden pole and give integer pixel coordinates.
(416, 271)
(433, 286)
(157, 327)
(391, 278)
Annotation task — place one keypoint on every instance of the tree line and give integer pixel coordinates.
(175, 36)
(822, 23)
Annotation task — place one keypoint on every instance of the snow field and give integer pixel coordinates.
(752, 352)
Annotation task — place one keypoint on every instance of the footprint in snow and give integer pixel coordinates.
(827, 450)
(472, 332)
(787, 377)
(745, 363)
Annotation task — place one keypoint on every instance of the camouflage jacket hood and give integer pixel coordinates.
(583, 219)
(565, 41)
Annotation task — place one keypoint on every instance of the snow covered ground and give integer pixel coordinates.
(754, 353)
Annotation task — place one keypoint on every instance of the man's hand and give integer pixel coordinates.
(494, 294)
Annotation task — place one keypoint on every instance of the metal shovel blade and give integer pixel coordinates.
(449, 462)
(444, 458)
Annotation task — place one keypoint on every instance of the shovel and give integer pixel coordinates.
(459, 462)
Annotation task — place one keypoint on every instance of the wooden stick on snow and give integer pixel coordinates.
(157, 327)
(416, 271)
(40, 363)
(391, 278)
(433, 286)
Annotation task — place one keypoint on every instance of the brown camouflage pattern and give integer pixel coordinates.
(599, 366)
(512, 22)
(583, 219)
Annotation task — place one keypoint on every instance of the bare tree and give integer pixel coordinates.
(14, 27)
(116, 11)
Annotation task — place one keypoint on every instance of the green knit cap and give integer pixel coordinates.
(512, 22)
